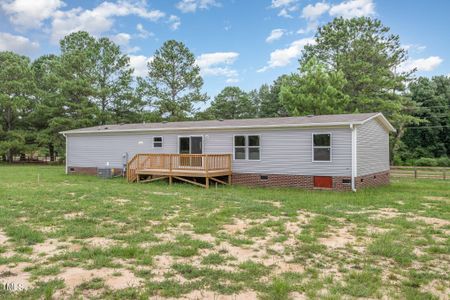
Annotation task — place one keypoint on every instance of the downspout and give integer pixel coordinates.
(67, 170)
(354, 157)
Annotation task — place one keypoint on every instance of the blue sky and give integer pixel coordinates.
(236, 42)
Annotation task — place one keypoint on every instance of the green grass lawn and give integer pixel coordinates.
(79, 236)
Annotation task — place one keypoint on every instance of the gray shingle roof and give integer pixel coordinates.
(319, 120)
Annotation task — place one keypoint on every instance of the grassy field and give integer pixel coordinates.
(80, 236)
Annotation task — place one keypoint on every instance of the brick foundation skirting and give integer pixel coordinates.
(273, 180)
(90, 170)
(82, 170)
(372, 180)
(340, 183)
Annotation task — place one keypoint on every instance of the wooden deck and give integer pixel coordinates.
(198, 169)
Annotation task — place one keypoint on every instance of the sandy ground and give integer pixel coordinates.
(277, 255)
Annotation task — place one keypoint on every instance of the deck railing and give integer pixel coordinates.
(177, 162)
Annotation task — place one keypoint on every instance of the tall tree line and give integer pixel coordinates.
(89, 83)
(352, 67)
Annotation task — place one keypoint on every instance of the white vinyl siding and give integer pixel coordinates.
(372, 148)
(282, 151)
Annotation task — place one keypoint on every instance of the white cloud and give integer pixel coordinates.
(283, 57)
(26, 14)
(139, 63)
(191, 6)
(275, 34)
(232, 80)
(143, 33)
(123, 40)
(282, 3)
(284, 13)
(16, 43)
(217, 64)
(286, 7)
(421, 64)
(174, 22)
(210, 59)
(353, 8)
(414, 48)
(98, 20)
(313, 12)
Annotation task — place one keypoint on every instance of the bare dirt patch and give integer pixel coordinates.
(15, 275)
(241, 254)
(48, 229)
(238, 226)
(339, 238)
(386, 212)
(274, 203)
(293, 227)
(374, 230)
(73, 215)
(438, 289)
(209, 295)
(100, 242)
(75, 276)
(283, 267)
(50, 247)
(164, 194)
(3, 238)
(162, 265)
(430, 221)
(436, 198)
(121, 201)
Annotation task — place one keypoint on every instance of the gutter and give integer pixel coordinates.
(354, 156)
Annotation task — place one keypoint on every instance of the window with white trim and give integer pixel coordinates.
(247, 147)
(157, 142)
(321, 147)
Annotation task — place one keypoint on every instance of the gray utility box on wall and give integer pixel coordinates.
(105, 173)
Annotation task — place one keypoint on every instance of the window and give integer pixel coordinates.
(247, 147)
(190, 144)
(253, 147)
(157, 142)
(321, 147)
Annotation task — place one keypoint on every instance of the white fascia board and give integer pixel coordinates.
(215, 128)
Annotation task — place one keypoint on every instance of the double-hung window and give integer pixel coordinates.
(157, 142)
(321, 147)
(247, 147)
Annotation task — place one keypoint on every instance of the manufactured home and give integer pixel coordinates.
(342, 152)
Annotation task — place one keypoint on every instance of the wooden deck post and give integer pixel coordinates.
(230, 159)
(206, 171)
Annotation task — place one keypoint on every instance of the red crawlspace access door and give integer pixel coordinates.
(323, 182)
